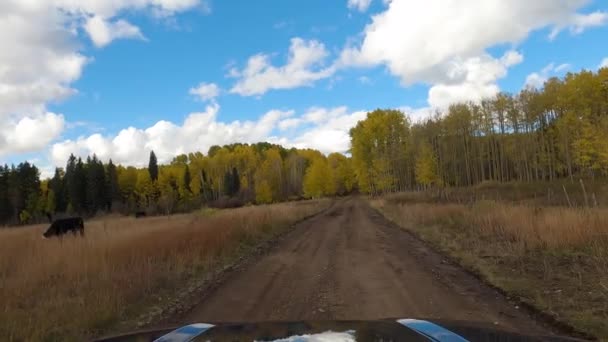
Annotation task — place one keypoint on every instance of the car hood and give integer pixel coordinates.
(329, 331)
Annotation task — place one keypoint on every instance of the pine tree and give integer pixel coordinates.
(6, 209)
(112, 189)
(76, 184)
(95, 185)
(24, 190)
(153, 167)
(187, 179)
(58, 189)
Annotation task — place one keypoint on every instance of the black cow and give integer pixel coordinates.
(140, 214)
(61, 227)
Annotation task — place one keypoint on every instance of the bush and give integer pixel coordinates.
(225, 202)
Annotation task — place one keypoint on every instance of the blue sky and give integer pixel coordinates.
(120, 79)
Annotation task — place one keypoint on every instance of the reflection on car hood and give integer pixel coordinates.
(333, 331)
(328, 336)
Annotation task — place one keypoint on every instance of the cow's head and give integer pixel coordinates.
(49, 232)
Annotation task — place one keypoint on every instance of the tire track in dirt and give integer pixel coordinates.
(351, 263)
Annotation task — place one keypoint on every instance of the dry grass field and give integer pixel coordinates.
(555, 258)
(562, 193)
(76, 288)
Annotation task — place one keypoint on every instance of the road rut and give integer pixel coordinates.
(350, 263)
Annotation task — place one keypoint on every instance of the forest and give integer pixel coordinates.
(557, 132)
(228, 176)
(560, 131)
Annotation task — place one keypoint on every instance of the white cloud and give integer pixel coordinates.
(304, 67)
(325, 129)
(103, 32)
(417, 115)
(581, 22)
(604, 63)
(471, 80)
(578, 23)
(30, 133)
(562, 67)
(460, 32)
(198, 132)
(330, 134)
(41, 57)
(109, 9)
(205, 91)
(359, 5)
(537, 79)
(289, 123)
(314, 116)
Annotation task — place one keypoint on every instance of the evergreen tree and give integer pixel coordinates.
(6, 209)
(112, 192)
(153, 167)
(23, 190)
(95, 185)
(57, 188)
(76, 182)
(187, 179)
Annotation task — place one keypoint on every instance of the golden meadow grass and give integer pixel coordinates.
(555, 258)
(75, 288)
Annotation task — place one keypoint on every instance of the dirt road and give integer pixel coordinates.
(351, 263)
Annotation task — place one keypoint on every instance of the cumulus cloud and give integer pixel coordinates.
(330, 135)
(417, 115)
(205, 91)
(41, 58)
(460, 32)
(38, 62)
(578, 23)
(472, 79)
(304, 66)
(198, 132)
(359, 5)
(103, 32)
(289, 123)
(29, 133)
(604, 63)
(325, 129)
(537, 79)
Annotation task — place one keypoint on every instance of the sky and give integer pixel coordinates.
(122, 77)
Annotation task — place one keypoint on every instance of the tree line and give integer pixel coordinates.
(228, 176)
(557, 132)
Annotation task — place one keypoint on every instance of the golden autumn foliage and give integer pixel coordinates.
(559, 131)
